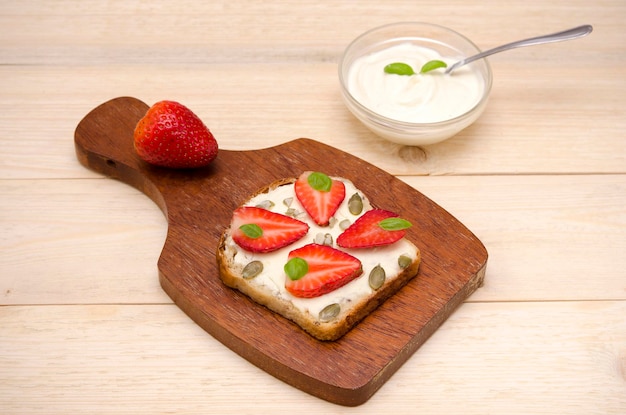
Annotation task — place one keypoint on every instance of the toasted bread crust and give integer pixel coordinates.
(230, 275)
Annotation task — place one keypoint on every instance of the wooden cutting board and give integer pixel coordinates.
(198, 205)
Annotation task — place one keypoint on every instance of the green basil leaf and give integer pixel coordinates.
(399, 68)
(296, 268)
(394, 224)
(252, 230)
(320, 181)
(431, 65)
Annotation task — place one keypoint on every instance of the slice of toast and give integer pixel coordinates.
(329, 316)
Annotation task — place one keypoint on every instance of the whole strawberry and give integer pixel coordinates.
(171, 135)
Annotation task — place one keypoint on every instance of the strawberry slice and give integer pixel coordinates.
(315, 270)
(260, 230)
(377, 227)
(319, 195)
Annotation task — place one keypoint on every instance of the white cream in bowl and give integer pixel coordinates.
(420, 98)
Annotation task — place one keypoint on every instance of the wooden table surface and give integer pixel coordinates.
(540, 178)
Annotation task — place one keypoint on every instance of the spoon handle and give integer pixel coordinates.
(569, 34)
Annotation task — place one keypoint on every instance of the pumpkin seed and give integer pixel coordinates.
(404, 261)
(329, 312)
(266, 204)
(355, 204)
(328, 239)
(323, 239)
(344, 224)
(377, 277)
(319, 239)
(252, 269)
(288, 201)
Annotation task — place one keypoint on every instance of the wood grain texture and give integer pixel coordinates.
(85, 326)
(198, 206)
(487, 358)
(525, 128)
(61, 233)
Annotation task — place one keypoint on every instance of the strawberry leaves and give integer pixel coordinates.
(296, 268)
(401, 68)
(376, 227)
(319, 195)
(251, 230)
(320, 181)
(260, 230)
(394, 224)
(314, 270)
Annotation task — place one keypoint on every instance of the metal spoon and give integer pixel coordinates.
(569, 34)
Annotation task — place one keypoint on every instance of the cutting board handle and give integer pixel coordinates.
(103, 141)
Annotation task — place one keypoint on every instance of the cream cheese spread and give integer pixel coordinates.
(420, 98)
(273, 275)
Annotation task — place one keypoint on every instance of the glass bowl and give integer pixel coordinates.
(451, 46)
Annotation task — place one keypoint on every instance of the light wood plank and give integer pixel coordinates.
(548, 238)
(116, 31)
(537, 124)
(80, 241)
(550, 110)
(487, 358)
(84, 325)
